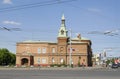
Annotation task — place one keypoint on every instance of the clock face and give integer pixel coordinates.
(62, 32)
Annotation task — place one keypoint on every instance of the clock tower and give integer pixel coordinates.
(62, 40)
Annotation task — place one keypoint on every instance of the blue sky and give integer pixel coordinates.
(43, 22)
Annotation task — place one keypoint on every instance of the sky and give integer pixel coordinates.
(41, 20)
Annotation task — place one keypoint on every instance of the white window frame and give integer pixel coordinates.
(61, 60)
(39, 50)
(44, 50)
(53, 60)
(44, 60)
(53, 50)
(38, 61)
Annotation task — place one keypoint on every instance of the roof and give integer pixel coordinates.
(38, 41)
(82, 38)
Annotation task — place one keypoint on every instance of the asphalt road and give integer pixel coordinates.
(60, 74)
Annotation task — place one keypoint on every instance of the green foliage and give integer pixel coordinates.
(58, 65)
(108, 61)
(63, 62)
(6, 57)
(112, 60)
(78, 63)
(53, 65)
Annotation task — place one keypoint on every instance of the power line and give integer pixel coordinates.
(32, 5)
(99, 13)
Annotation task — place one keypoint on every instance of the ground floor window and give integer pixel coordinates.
(38, 60)
(61, 60)
(44, 60)
(53, 60)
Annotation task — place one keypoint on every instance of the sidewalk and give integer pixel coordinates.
(52, 68)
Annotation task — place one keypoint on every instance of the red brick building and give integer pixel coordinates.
(45, 53)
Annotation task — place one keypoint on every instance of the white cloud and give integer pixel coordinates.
(7, 2)
(11, 22)
(94, 10)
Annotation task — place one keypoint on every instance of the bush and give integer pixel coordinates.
(79, 64)
(58, 65)
(53, 65)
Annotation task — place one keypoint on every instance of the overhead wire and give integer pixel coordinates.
(32, 5)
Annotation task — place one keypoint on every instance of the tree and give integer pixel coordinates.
(108, 61)
(6, 57)
(13, 59)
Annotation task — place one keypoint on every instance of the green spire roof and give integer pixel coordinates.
(62, 30)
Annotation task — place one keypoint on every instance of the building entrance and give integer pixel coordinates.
(31, 60)
(24, 61)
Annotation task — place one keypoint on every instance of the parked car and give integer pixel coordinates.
(114, 66)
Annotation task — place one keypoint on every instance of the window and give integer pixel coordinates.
(44, 50)
(61, 60)
(39, 50)
(53, 60)
(53, 50)
(43, 60)
(38, 61)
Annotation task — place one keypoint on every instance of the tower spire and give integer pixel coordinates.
(63, 21)
(63, 17)
(62, 30)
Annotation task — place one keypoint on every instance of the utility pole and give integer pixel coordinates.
(70, 48)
